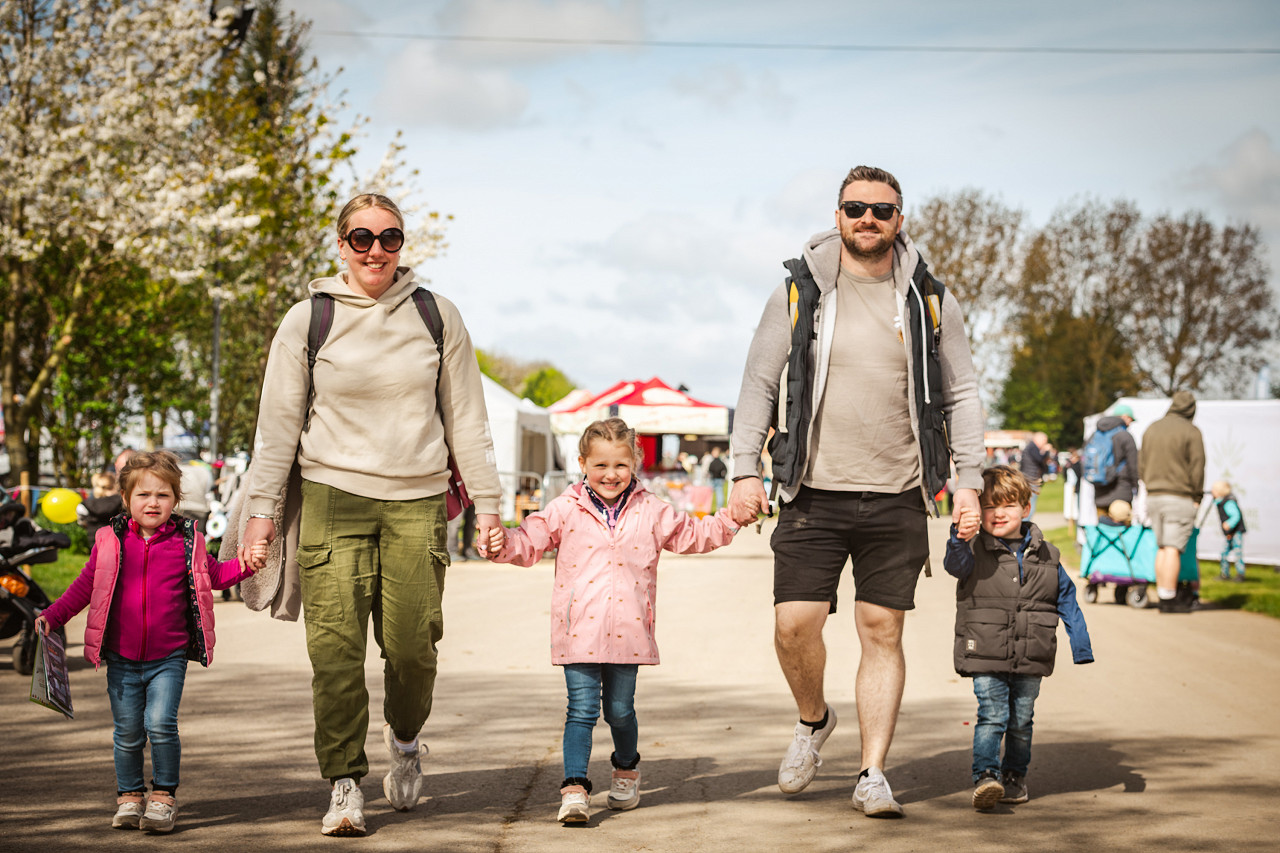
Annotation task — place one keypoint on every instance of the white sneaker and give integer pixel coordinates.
(162, 811)
(128, 811)
(873, 797)
(575, 805)
(346, 810)
(624, 791)
(403, 782)
(802, 761)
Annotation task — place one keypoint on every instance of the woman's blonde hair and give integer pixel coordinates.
(364, 201)
(162, 463)
(613, 430)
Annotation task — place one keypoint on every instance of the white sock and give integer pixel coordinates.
(1166, 594)
(411, 747)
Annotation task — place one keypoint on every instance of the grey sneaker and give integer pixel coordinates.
(624, 792)
(403, 782)
(987, 791)
(802, 761)
(346, 810)
(873, 797)
(1015, 788)
(162, 811)
(575, 805)
(129, 809)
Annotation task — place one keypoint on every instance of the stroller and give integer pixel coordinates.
(1126, 558)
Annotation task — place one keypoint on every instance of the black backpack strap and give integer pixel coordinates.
(425, 301)
(321, 323)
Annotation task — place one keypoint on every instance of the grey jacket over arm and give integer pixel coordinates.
(758, 399)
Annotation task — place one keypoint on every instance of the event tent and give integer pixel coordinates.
(650, 408)
(522, 440)
(1240, 447)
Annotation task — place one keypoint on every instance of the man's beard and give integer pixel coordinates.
(878, 250)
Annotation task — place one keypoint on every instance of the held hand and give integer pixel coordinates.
(965, 502)
(42, 625)
(967, 526)
(258, 555)
(490, 534)
(259, 530)
(746, 500)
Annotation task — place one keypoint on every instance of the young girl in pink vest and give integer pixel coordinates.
(608, 532)
(149, 587)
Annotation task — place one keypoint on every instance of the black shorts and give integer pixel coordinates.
(886, 535)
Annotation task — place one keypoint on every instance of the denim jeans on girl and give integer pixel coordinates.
(587, 683)
(145, 695)
(1006, 704)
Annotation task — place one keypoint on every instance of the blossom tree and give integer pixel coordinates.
(106, 159)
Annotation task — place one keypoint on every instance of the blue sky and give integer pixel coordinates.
(624, 211)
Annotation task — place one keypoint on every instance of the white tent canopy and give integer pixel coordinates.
(1240, 447)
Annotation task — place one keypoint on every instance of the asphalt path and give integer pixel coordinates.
(1171, 741)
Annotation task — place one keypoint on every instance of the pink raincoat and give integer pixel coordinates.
(606, 584)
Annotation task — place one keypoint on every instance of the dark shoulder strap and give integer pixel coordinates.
(321, 323)
(425, 301)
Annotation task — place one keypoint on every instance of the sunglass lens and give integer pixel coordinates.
(854, 209)
(391, 239)
(360, 239)
(882, 211)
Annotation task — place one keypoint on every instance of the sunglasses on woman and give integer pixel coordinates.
(361, 239)
(881, 210)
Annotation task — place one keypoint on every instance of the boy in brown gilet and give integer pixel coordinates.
(1012, 591)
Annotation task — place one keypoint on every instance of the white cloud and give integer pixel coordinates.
(727, 87)
(420, 89)
(1246, 179)
(622, 20)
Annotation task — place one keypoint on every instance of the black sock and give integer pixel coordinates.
(815, 726)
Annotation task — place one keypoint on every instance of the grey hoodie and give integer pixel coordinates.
(758, 400)
(377, 429)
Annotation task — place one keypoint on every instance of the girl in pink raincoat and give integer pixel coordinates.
(608, 531)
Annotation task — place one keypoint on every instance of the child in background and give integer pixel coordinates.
(1012, 591)
(609, 531)
(149, 587)
(1119, 514)
(94, 513)
(1232, 529)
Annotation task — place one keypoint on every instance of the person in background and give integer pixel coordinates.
(1172, 464)
(1035, 464)
(1232, 521)
(96, 511)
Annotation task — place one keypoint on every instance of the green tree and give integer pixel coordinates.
(546, 386)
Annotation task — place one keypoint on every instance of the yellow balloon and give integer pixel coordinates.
(59, 505)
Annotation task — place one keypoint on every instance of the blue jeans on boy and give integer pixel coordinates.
(1006, 704)
(145, 695)
(1233, 551)
(587, 683)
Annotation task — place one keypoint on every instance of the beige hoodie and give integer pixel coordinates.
(376, 428)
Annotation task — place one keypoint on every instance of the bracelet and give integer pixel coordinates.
(261, 515)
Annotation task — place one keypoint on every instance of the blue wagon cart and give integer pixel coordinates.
(1126, 558)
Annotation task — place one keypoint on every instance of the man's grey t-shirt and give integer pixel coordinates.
(862, 438)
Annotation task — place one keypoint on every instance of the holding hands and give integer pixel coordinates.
(966, 513)
(747, 500)
(256, 559)
(490, 534)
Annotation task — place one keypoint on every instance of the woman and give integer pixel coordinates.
(372, 444)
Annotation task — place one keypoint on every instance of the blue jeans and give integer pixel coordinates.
(1006, 704)
(587, 683)
(144, 703)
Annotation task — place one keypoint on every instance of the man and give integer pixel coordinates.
(717, 471)
(1172, 460)
(1125, 452)
(855, 468)
(1034, 464)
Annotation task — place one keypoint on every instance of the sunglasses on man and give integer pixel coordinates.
(881, 210)
(361, 239)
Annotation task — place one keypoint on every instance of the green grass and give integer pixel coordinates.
(1260, 592)
(55, 577)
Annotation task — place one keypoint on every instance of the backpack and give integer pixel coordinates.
(322, 307)
(1098, 462)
